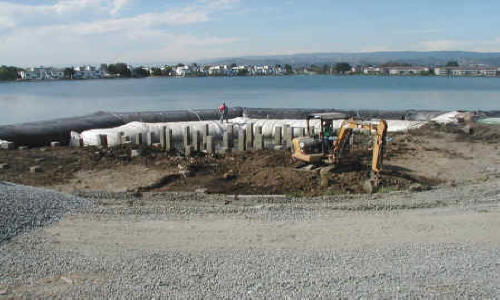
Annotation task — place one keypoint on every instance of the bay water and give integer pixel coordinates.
(43, 100)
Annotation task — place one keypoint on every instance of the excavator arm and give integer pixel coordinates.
(345, 131)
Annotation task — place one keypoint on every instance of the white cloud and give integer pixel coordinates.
(117, 5)
(105, 37)
(465, 45)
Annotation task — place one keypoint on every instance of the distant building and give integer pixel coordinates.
(467, 71)
(372, 70)
(41, 73)
(220, 70)
(182, 71)
(87, 72)
(406, 70)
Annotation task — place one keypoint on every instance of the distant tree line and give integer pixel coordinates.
(8, 73)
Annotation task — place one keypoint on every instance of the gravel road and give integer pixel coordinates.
(438, 243)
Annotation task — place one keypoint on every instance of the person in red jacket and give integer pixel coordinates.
(223, 110)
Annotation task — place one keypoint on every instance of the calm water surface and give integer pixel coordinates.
(32, 101)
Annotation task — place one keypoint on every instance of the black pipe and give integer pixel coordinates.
(43, 132)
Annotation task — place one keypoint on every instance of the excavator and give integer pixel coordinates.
(329, 148)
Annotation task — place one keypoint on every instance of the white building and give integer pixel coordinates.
(220, 70)
(42, 73)
(466, 71)
(407, 70)
(371, 70)
(182, 71)
(87, 72)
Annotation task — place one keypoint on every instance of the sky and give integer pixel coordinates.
(72, 32)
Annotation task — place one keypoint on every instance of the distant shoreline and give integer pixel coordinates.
(249, 76)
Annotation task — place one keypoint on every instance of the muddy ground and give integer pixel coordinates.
(430, 156)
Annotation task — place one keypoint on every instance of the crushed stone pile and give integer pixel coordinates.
(23, 208)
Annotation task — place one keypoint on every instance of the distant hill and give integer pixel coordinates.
(412, 57)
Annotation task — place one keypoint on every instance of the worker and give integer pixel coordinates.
(328, 133)
(223, 111)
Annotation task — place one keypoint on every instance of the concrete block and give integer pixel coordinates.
(227, 142)
(242, 145)
(250, 136)
(56, 144)
(204, 133)
(103, 140)
(138, 139)
(163, 137)
(119, 137)
(149, 138)
(196, 141)
(35, 169)
(169, 145)
(189, 150)
(8, 146)
(230, 130)
(210, 145)
(259, 141)
(187, 136)
(278, 138)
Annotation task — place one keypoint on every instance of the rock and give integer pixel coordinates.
(326, 170)
(368, 187)
(3, 291)
(324, 180)
(67, 280)
(4, 166)
(22, 148)
(35, 169)
(37, 160)
(415, 187)
(201, 190)
(308, 167)
(185, 173)
(228, 175)
(43, 149)
(467, 129)
(55, 144)
(135, 153)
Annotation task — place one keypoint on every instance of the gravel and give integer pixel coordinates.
(35, 266)
(23, 208)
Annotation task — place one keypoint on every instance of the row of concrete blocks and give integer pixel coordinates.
(12, 146)
(196, 141)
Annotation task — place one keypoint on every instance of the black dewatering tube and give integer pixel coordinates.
(43, 132)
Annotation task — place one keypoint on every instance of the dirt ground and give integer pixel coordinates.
(430, 156)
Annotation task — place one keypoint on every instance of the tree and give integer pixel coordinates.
(242, 72)
(342, 67)
(140, 72)
(166, 71)
(155, 71)
(69, 72)
(8, 73)
(452, 63)
(119, 69)
(288, 69)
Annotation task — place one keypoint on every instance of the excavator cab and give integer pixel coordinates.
(310, 148)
